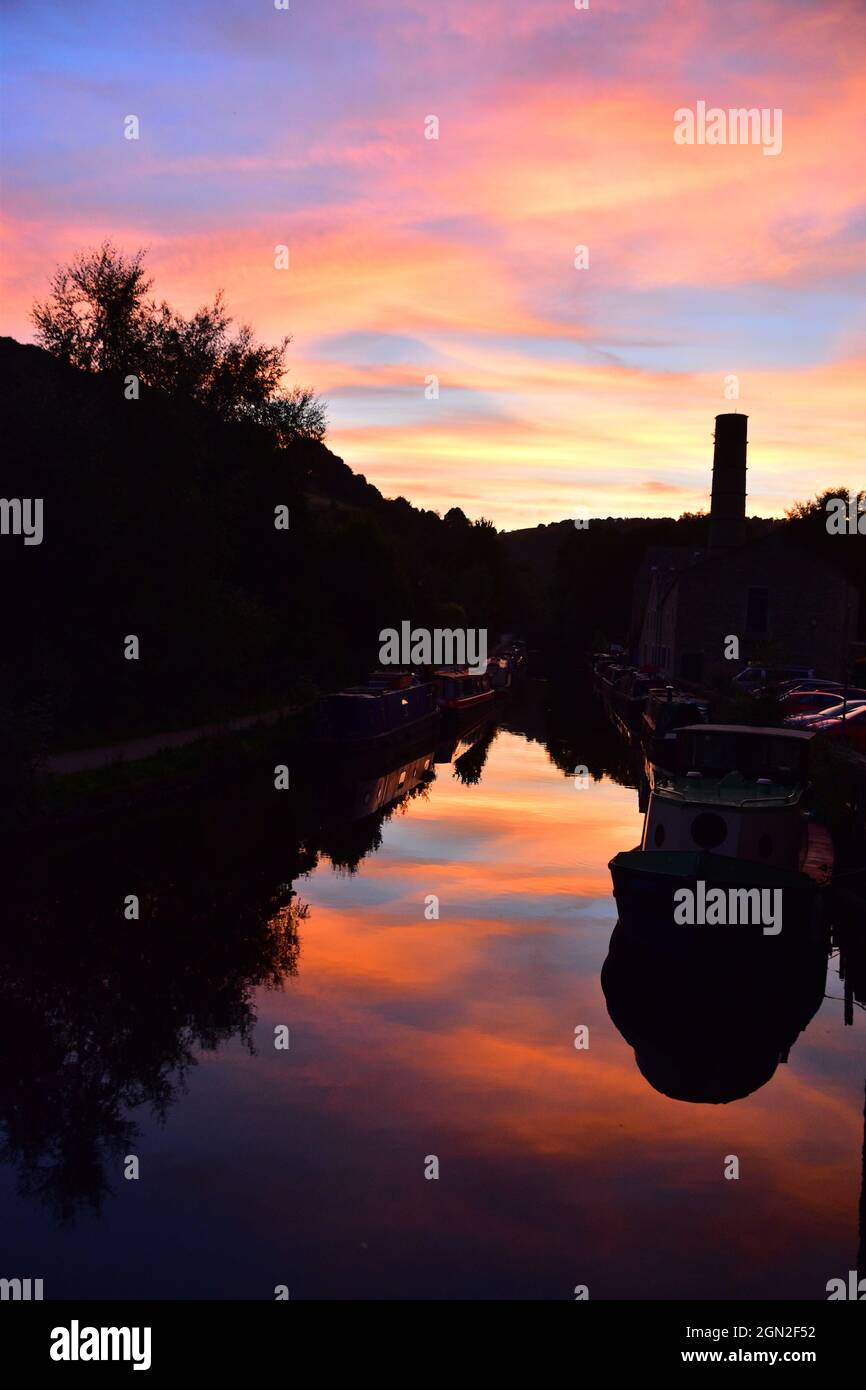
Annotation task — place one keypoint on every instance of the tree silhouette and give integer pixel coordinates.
(98, 318)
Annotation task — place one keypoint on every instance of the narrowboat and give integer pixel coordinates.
(732, 816)
(666, 711)
(507, 663)
(500, 674)
(461, 690)
(610, 673)
(393, 709)
(597, 661)
(627, 699)
(603, 665)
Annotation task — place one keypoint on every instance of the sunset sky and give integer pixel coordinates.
(560, 389)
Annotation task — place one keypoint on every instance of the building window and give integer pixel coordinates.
(757, 607)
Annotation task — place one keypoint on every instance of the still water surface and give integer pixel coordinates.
(409, 1037)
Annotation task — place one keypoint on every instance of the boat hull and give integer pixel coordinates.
(387, 742)
(645, 883)
(471, 703)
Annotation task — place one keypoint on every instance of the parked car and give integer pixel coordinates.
(754, 678)
(851, 729)
(809, 701)
(810, 720)
(810, 683)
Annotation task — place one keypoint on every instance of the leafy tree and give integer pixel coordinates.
(96, 317)
(295, 414)
(200, 358)
(815, 511)
(807, 523)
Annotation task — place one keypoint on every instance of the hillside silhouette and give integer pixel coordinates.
(159, 521)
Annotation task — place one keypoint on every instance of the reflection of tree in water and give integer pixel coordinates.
(100, 1016)
(569, 720)
(470, 765)
(347, 842)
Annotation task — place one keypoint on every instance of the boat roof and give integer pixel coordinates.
(374, 692)
(795, 735)
(370, 692)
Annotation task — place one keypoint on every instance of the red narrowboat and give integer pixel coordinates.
(461, 690)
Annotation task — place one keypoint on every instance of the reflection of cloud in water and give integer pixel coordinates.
(408, 1037)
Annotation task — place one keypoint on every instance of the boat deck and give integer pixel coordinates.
(732, 790)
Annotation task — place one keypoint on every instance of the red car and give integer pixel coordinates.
(809, 700)
(851, 729)
(809, 718)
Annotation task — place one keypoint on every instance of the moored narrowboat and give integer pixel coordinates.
(500, 674)
(667, 710)
(507, 664)
(392, 708)
(728, 824)
(461, 690)
(627, 699)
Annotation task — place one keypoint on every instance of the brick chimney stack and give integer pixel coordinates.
(728, 505)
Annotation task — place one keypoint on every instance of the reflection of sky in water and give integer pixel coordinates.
(455, 1037)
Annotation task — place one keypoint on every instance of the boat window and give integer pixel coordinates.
(751, 755)
(708, 830)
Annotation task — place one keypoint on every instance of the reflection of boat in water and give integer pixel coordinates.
(394, 709)
(348, 799)
(730, 819)
(710, 1026)
(457, 737)
(352, 793)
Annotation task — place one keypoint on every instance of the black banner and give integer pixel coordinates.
(167, 1339)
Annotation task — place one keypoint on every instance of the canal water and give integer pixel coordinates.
(430, 941)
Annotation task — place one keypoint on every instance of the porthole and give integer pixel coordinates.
(708, 830)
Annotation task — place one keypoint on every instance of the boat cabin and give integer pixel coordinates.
(668, 709)
(377, 710)
(734, 791)
(720, 750)
(461, 689)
